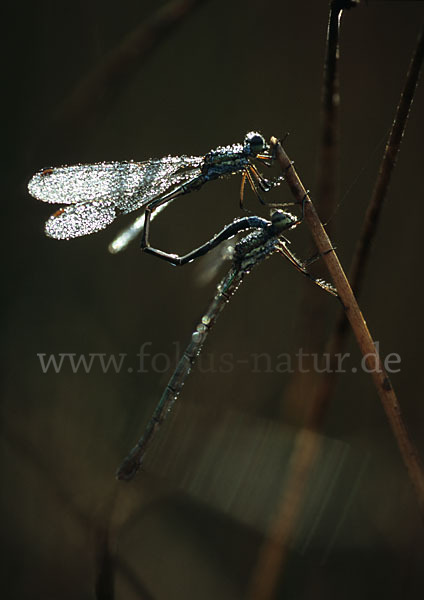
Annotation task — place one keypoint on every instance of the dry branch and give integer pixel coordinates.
(358, 324)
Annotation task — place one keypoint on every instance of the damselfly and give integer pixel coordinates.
(249, 251)
(98, 193)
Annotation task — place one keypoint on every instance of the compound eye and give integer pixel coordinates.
(254, 143)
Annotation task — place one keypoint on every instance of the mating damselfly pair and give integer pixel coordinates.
(98, 193)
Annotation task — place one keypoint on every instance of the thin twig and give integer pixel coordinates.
(359, 327)
(387, 167)
(314, 310)
(328, 159)
(372, 219)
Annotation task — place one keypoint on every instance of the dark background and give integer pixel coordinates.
(192, 523)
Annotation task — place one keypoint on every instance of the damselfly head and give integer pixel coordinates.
(254, 143)
(282, 220)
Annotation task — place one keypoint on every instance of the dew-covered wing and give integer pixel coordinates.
(99, 192)
(128, 184)
(80, 219)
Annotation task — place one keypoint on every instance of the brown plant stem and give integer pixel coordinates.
(387, 167)
(372, 218)
(315, 309)
(358, 324)
(328, 158)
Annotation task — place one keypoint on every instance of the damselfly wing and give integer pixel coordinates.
(98, 193)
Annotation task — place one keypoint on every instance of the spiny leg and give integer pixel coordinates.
(248, 176)
(298, 264)
(282, 249)
(253, 186)
(303, 201)
(285, 203)
(243, 183)
(317, 256)
(255, 179)
(265, 185)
